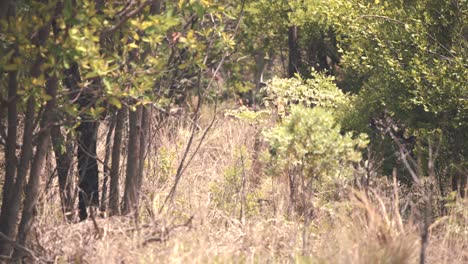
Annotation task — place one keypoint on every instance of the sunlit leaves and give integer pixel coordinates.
(310, 140)
(405, 51)
(136, 59)
(318, 91)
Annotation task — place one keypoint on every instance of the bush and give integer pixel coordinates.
(310, 139)
(319, 91)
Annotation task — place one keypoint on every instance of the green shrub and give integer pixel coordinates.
(310, 139)
(319, 91)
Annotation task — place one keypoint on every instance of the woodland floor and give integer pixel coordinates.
(205, 224)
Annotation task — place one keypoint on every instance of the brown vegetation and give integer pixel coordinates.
(204, 225)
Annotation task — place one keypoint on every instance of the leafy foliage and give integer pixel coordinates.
(311, 140)
(405, 59)
(319, 91)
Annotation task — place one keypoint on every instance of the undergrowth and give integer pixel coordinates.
(226, 211)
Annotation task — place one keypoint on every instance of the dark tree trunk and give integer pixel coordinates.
(460, 152)
(64, 159)
(88, 182)
(32, 189)
(6, 226)
(13, 188)
(155, 7)
(87, 166)
(5, 6)
(114, 188)
(10, 220)
(130, 202)
(86, 141)
(63, 150)
(294, 53)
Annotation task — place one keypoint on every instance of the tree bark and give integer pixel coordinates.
(294, 53)
(114, 189)
(5, 5)
(145, 117)
(63, 160)
(88, 182)
(11, 218)
(87, 166)
(106, 163)
(133, 157)
(13, 187)
(6, 226)
(459, 174)
(32, 189)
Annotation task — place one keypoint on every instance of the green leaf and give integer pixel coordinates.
(115, 102)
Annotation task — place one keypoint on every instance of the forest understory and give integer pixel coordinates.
(226, 210)
(227, 131)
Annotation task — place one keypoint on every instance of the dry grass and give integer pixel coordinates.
(195, 228)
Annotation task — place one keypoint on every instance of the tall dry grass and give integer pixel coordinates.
(199, 226)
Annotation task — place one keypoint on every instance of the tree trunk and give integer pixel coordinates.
(12, 193)
(258, 76)
(63, 159)
(106, 163)
(5, 6)
(294, 53)
(7, 227)
(32, 189)
(114, 189)
(10, 219)
(88, 182)
(87, 166)
(133, 162)
(145, 124)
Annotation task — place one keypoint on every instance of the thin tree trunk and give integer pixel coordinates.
(294, 53)
(259, 69)
(131, 181)
(459, 175)
(145, 124)
(106, 163)
(32, 189)
(137, 140)
(114, 188)
(5, 5)
(13, 188)
(11, 219)
(87, 166)
(63, 159)
(6, 227)
(88, 183)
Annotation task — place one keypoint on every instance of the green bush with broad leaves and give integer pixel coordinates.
(311, 140)
(408, 60)
(319, 91)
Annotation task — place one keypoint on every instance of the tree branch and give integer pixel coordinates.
(127, 14)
